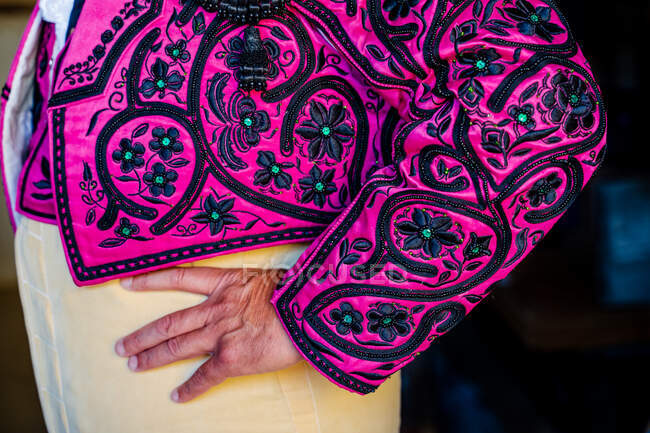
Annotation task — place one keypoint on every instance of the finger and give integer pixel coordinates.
(169, 326)
(184, 346)
(200, 280)
(209, 374)
(193, 280)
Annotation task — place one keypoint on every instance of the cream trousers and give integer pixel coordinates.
(85, 388)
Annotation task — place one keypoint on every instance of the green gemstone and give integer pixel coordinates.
(481, 64)
(176, 52)
(126, 231)
(128, 155)
(326, 131)
(386, 320)
(214, 215)
(275, 169)
(160, 179)
(319, 186)
(347, 319)
(474, 250)
(165, 141)
(161, 83)
(426, 233)
(522, 117)
(574, 99)
(534, 18)
(248, 121)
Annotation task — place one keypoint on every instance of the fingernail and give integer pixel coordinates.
(119, 347)
(127, 283)
(175, 396)
(133, 362)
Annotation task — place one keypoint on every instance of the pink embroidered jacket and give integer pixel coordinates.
(424, 146)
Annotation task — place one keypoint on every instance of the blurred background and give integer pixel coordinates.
(562, 345)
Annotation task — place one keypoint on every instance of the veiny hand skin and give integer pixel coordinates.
(236, 325)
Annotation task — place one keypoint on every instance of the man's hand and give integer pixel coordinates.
(236, 325)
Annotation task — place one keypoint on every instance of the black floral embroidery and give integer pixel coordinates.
(160, 180)
(347, 319)
(478, 246)
(317, 186)
(523, 115)
(253, 59)
(534, 20)
(216, 214)
(481, 62)
(244, 122)
(570, 103)
(399, 8)
(272, 171)
(160, 80)
(388, 321)
(84, 71)
(427, 233)
(129, 155)
(251, 122)
(178, 51)
(124, 231)
(326, 131)
(165, 143)
(543, 191)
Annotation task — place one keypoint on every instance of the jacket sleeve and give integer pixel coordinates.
(503, 125)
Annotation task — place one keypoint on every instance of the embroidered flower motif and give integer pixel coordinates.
(388, 322)
(427, 233)
(251, 122)
(129, 155)
(160, 81)
(534, 20)
(165, 143)
(398, 8)
(523, 115)
(272, 171)
(543, 191)
(478, 246)
(347, 319)
(178, 51)
(253, 59)
(481, 62)
(126, 230)
(325, 131)
(160, 180)
(317, 186)
(216, 214)
(570, 103)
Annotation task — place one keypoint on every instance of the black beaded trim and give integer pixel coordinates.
(244, 11)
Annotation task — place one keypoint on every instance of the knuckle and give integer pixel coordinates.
(179, 276)
(228, 356)
(164, 325)
(174, 347)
